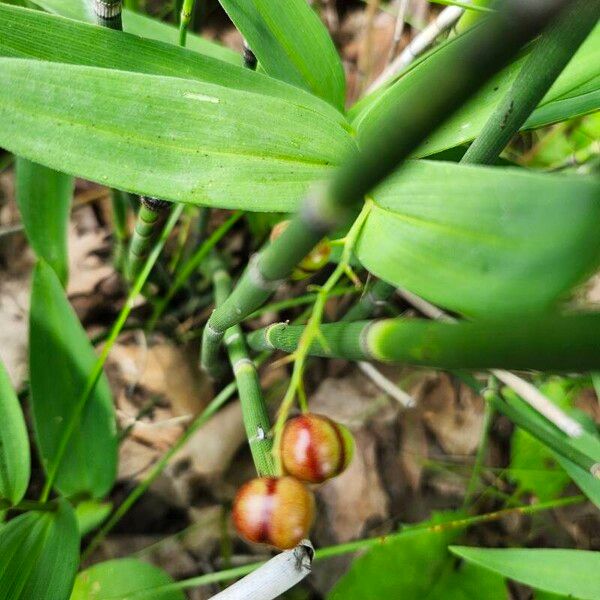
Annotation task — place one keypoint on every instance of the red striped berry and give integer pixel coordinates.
(315, 448)
(274, 510)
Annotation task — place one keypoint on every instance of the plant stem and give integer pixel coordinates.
(460, 73)
(184, 19)
(312, 329)
(190, 265)
(254, 408)
(150, 219)
(528, 344)
(108, 13)
(119, 205)
(372, 298)
(364, 544)
(300, 301)
(96, 372)
(543, 65)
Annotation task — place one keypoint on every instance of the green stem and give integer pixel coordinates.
(120, 205)
(539, 344)
(301, 301)
(94, 376)
(254, 408)
(150, 219)
(312, 330)
(540, 70)
(190, 265)
(184, 19)
(371, 299)
(460, 73)
(365, 544)
(108, 13)
(26, 505)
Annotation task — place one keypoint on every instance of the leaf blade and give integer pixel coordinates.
(60, 359)
(478, 240)
(14, 446)
(292, 44)
(167, 137)
(118, 578)
(567, 572)
(144, 26)
(44, 200)
(39, 553)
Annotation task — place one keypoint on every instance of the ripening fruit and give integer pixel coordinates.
(314, 261)
(274, 510)
(315, 448)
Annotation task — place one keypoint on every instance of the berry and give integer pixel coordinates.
(315, 448)
(274, 510)
(314, 261)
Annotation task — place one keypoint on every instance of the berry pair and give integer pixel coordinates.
(280, 510)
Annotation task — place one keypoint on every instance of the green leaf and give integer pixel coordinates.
(115, 579)
(567, 572)
(533, 465)
(39, 554)
(60, 359)
(416, 565)
(44, 199)
(588, 443)
(575, 92)
(292, 44)
(144, 26)
(91, 514)
(478, 240)
(14, 445)
(170, 138)
(28, 33)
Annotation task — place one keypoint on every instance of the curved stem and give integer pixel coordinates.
(312, 330)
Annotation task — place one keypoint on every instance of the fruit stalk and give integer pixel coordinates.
(403, 129)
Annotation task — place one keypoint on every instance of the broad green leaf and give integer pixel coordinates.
(28, 33)
(532, 464)
(115, 579)
(175, 139)
(60, 359)
(575, 92)
(567, 572)
(39, 554)
(292, 44)
(416, 565)
(143, 26)
(44, 199)
(91, 514)
(14, 445)
(483, 241)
